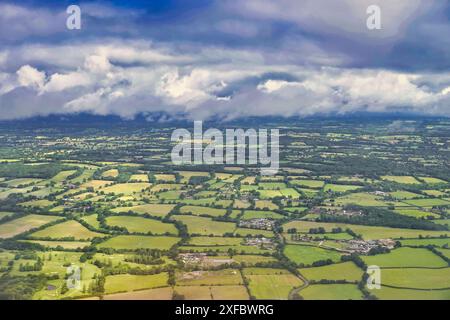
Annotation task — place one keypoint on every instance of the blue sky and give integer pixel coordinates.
(227, 58)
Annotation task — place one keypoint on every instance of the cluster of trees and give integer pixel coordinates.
(381, 217)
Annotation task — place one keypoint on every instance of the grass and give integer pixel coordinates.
(402, 195)
(367, 232)
(214, 241)
(139, 178)
(314, 184)
(92, 220)
(340, 271)
(244, 232)
(417, 213)
(416, 278)
(401, 179)
(307, 255)
(425, 242)
(332, 292)
(229, 293)
(430, 180)
(406, 257)
(128, 282)
(386, 293)
(272, 286)
(254, 214)
(64, 244)
(157, 210)
(165, 177)
(362, 199)
(21, 225)
(112, 173)
(62, 176)
(265, 205)
(141, 225)
(126, 188)
(445, 252)
(220, 277)
(194, 292)
(132, 242)
(428, 202)
(205, 226)
(340, 188)
(150, 294)
(66, 229)
(224, 249)
(197, 210)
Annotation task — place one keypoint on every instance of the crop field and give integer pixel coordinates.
(198, 211)
(141, 225)
(332, 292)
(254, 214)
(127, 282)
(272, 285)
(68, 229)
(157, 210)
(21, 225)
(214, 241)
(401, 179)
(130, 242)
(126, 188)
(340, 188)
(205, 226)
(62, 244)
(149, 294)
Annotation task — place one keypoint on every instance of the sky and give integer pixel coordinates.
(226, 59)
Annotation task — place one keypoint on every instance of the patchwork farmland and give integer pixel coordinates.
(347, 196)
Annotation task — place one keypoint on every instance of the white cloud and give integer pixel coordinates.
(106, 78)
(28, 76)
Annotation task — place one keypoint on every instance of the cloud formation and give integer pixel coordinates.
(250, 58)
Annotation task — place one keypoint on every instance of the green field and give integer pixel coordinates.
(347, 271)
(272, 286)
(21, 225)
(387, 293)
(157, 210)
(128, 282)
(205, 226)
(197, 210)
(414, 278)
(221, 277)
(67, 229)
(254, 214)
(130, 242)
(401, 179)
(406, 257)
(367, 232)
(141, 225)
(425, 242)
(307, 255)
(331, 292)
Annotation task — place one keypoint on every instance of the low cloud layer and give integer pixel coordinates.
(240, 60)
